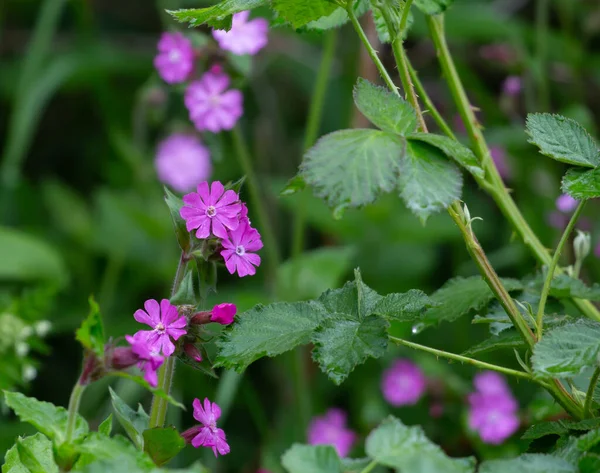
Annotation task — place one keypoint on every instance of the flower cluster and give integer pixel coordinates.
(493, 410)
(219, 213)
(403, 383)
(331, 429)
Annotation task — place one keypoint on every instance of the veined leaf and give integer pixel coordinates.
(566, 287)
(530, 463)
(105, 427)
(218, 16)
(581, 184)
(162, 444)
(133, 422)
(91, 332)
(184, 238)
(311, 459)
(559, 427)
(355, 299)
(339, 17)
(404, 307)
(30, 455)
(433, 7)
(507, 339)
(301, 13)
(100, 447)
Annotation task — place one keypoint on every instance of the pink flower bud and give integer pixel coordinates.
(190, 433)
(191, 351)
(122, 357)
(223, 313)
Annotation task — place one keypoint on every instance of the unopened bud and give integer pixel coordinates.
(201, 318)
(121, 358)
(582, 244)
(191, 351)
(190, 433)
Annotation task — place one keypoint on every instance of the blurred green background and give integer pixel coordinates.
(81, 111)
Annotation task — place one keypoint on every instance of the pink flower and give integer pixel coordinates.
(214, 211)
(499, 157)
(403, 383)
(165, 325)
(557, 220)
(512, 85)
(149, 359)
(209, 435)
(175, 58)
(211, 106)
(490, 383)
(566, 204)
(223, 313)
(244, 37)
(238, 247)
(597, 251)
(331, 429)
(182, 162)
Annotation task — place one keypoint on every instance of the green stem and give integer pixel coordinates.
(369, 467)
(241, 150)
(404, 18)
(587, 408)
(74, 402)
(312, 127)
(552, 267)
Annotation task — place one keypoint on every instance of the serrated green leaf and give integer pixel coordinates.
(91, 332)
(567, 350)
(133, 422)
(395, 445)
(268, 331)
(311, 459)
(218, 16)
(186, 293)
(344, 341)
(433, 7)
(355, 299)
(453, 149)
(162, 444)
(581, 184)
(566, 287)
(352, 167)
(528, 463)
(142, 382)
(338, 17)
(559, 427)
(105, 428)
(429, 182)
(301, 13)
(100, 447)
(507, 339)
(44, 416)
(404, 307)
(184, 238)
(384, 109)
(31, 455)
(562, 139)
(12, 462)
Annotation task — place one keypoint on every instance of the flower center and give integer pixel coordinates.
(211, 211)
(240, 250)
(214, 100)
(160, 327)
(174, 55)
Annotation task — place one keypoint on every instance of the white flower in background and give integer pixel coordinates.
(29, 373)
(21, 349)
(43, 327)
(26, 332)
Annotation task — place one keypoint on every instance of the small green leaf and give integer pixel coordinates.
(301, 13)
(311, 459)
(162, 444)
(404, 307)
(353, 166)
(100, 447)
(559, 427)
(133, 422)
(142, 382)
(562, 139)
(355, 299)
(566, 287)
(268, 331)
(31, 455)
(567, 350)
(384, 109)
(44, 416)
(295, 184)
(218, 16)
(338, 17)
(453, 149)
(528, 463)
(433, 7)
(184, 238)
(186, 293)
(429, 182)
(507, 339)
(395, 445)
(105, 428)
(91, 332)
(581, 184)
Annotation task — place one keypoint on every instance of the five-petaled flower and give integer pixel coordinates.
(209, 435)
(239, 250)
(211, 211)
(165, 322)
(244, 37)
(149, 359)
(175, 58)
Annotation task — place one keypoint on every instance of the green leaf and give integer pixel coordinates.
(351, 167)
(507, 339)
(162, 444)
(100, 447)
(91, 332)
(311, 459)
(268, 331)
(355, 299)
(581, 184)
(383, 108)
(567, 350)
(566, 287)
(142, 382)
(559, 427)
(186, 293)
(433, 7)
(12, 462)
(133, 422)
(562, 139)
(404, 307)
(105, 428)
(184, 238)
(589, 463)
(300, 13)
(459, 296)
(528, 463)
(395, 445)
(428, 181)
(295, 184)
(395, 10)
(354, 465)
(453, 149)
(44, 416)
(218, 16)
(30, 455)
(338, 17)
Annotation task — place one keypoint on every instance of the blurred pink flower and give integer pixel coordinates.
(244, 37)
(512, 86)
(557, 220)
(499, 157)
(223, 313)
(330, 429)
(566, 204)
(403, 383)
(239, 250)
(149, 359)
(500, 53)
(209, 435)
(211, 106)
(165, 325)
(182, 162)
(175, 58)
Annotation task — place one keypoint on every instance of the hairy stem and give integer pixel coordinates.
(74, 402)
(552, 267)
(587, 408)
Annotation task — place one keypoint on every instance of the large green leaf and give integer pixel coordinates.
(453, 149)
(100, 447)
(566, 287)
(567, 350)
(268, 331)
(433, 7)
(528, 463)
(311, 459)
(91, 332)
(562, 139)
(355, 299)
(395, 445)
(507, 339)
(404, 307)
(581, 184)
(301, 13)
(429, 182)
(30, 455)
(162, 444)
(351, 167)
(383, 108)
(218, 16)
(44, 416)
(559, 427)
(133, 422)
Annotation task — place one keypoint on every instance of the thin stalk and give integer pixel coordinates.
(552, 267)
(404, 18)
(315, 115)
(369, 467)
(74, 402)
(587, 408)
(241, 150)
